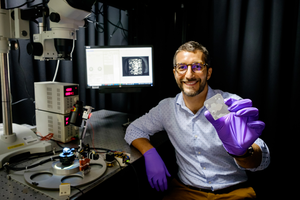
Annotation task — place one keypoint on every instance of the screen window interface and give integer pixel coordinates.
(119, 66)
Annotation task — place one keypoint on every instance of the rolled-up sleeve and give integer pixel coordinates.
(265, 157)
(145, 126)
(133, 133)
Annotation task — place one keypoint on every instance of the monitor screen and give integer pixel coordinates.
(119, 66)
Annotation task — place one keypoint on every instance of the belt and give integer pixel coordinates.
(221, 191)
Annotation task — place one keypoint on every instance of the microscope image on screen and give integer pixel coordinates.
(135, 66)
(116, 67)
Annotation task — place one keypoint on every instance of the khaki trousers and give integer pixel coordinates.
(178, 191)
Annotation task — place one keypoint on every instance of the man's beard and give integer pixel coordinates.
(192, 93)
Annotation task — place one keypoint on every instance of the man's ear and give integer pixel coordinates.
(209, 72)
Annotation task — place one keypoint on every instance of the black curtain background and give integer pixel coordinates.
(254, 45)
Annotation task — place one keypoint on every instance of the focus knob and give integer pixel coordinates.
(54, 17)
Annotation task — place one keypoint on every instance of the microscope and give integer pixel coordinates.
(57, 43)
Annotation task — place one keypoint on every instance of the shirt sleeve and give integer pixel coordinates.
(145, 126)
(265, 157)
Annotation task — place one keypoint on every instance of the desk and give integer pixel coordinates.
(104, 131)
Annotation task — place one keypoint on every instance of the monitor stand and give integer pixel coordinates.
(119, 90)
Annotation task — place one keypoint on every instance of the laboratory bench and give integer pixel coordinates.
(104, 130)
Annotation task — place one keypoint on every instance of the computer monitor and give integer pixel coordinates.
(119, 68)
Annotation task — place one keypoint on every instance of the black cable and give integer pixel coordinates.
(118, 163)
(124, 34)
(25, 80)
(24, 75)
(33, 120)
(110, 21)
(24, 158)
(59, 145)
(120, 23)
(8, 166)
(107, 150)
(98, 25)
(96, 148)
(118, 26)
(78, 189)
(100, 29)
(39, 155)
(25, 99)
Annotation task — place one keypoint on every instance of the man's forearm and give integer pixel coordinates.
(142, 144)
(252, 161)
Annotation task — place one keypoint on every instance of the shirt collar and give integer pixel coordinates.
(210, 93)
(181, 103)
(179, 100)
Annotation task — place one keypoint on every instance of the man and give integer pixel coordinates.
(212, 155)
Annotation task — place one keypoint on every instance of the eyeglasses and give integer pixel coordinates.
(181, 68)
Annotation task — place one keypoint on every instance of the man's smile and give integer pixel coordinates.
(190, 83)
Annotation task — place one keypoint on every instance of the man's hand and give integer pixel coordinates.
(239, 129)
(156, 170)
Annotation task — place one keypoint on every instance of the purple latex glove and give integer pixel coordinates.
(239, 129)
(156, 170)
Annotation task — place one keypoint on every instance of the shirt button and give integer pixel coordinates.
(199, 152)
(196, 136)
(204, 168)
(209, 182)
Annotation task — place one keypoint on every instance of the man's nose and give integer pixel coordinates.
(189, 73)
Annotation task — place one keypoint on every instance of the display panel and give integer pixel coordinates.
(119, 66)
